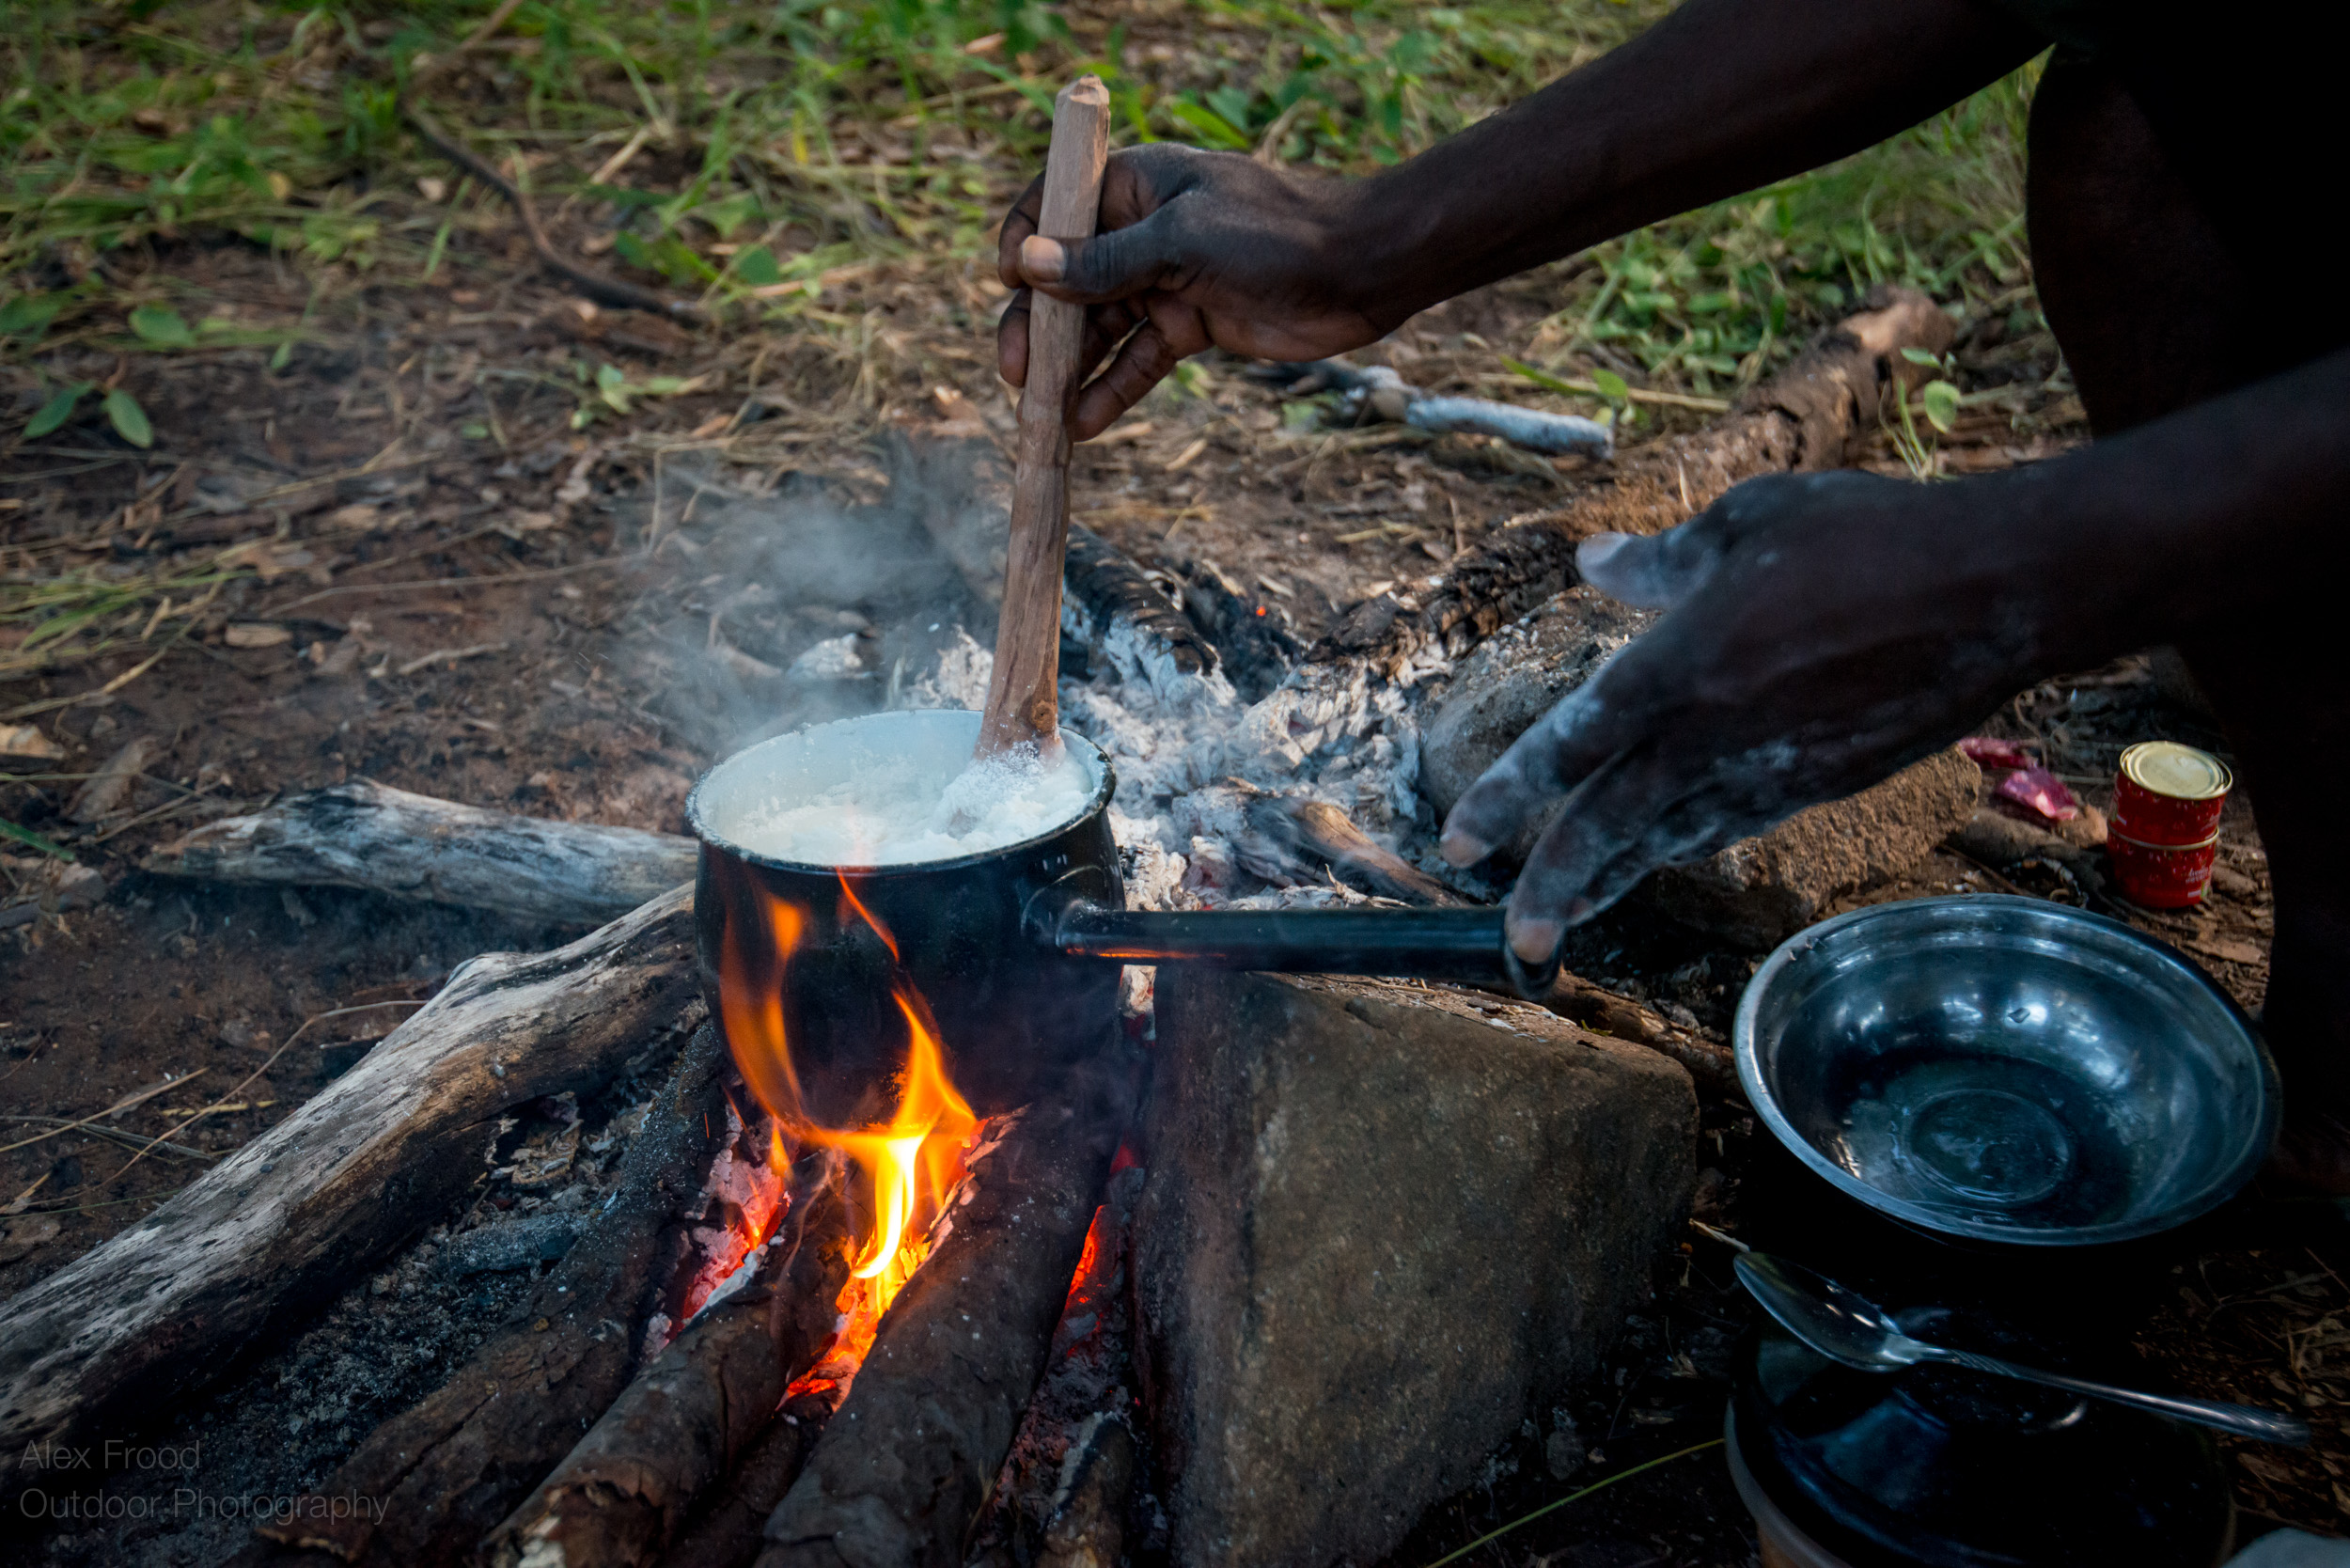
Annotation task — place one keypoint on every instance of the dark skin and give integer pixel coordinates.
(1825, 630)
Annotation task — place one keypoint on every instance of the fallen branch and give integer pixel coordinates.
(445, 1471)
(293, 1218)
(1372, 393)
(385, 840)
(1813, 415)
(1602, 1011)
(597, 286)
(907, 1462)
(677, 1431)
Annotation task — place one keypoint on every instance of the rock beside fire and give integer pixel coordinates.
(1382, 1225)
(1761, 890)
(1515, 677)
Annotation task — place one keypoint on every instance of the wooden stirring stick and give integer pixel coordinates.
(1022, 707)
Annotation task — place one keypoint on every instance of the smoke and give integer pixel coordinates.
(779, 604)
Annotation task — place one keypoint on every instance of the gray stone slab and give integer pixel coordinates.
(1383, 1224)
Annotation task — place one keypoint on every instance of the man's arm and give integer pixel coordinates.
(1723, 95)
(1826, 629)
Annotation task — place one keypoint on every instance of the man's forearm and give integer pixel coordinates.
(2223, 513)
(1718, 98)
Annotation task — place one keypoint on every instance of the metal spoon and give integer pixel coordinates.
(1854, 1330)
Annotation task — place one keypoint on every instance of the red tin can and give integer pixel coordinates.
(2164, 833)
(2162, 876)
(2167, 793)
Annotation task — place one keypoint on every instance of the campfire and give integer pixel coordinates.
(861, 1287)
(907, 1164)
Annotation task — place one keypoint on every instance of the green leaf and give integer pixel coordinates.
(1611, 386)
(731, 214)
(613, 388)
(1213, 126)
(130, 421)
(1232, 105)
(55, 412)
(473, 429)
(757, 267)
(1541, 378)
(1941, 404)
(162, 326)
(28, 315)
(1920, 357)
(284, 355)
(31, 839)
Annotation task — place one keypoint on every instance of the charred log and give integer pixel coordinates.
(1087, 1527)
(1312, 832)
(905, 1465)
(1106, 589)
(1813, 415)
(1255, 648)
(676, 1433)
(296, 1215)
(728, 1534)
(1602, 1011)
(451, 1467)
(1061, 1496)
(384, 841)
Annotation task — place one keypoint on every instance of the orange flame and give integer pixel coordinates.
(911, 1162)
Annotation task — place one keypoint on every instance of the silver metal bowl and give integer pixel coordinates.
(2006, 1069)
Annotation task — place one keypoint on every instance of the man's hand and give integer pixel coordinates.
(1196, 248)
(1825, 630)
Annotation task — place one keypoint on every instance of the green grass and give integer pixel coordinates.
(773, 143)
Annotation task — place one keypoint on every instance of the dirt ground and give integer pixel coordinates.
(523, 619)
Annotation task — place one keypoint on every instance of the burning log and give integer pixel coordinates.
(1061, 1498)
(384, 841)
(907, 1462)
(728, 1533)
(1107, 591)
(446, 1470)
(678, 1430)
(1810, 415)
(1300, 830)
(311, 1204)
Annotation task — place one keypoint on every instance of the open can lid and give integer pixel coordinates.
(2179, 771)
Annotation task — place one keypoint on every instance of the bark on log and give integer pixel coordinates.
(1813, 415)
(1105, 589)
(675, 1434)
(446, 1470)
(296, 1215)
(384, 841)
(907, 1462)
(1061, 1496)
(729, 1532)
(1602, 1011)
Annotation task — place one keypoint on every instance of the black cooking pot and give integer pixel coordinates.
(1015, 951)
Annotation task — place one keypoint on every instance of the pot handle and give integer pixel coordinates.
(1425, 943)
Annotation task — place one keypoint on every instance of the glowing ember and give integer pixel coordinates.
(910, 1163)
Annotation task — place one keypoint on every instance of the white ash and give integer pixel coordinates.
(1335, 733)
